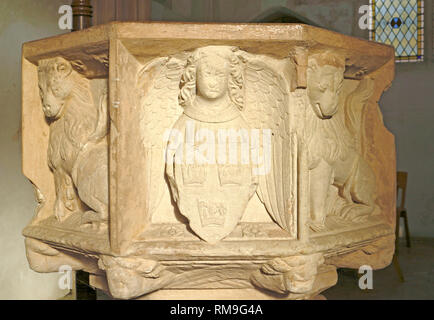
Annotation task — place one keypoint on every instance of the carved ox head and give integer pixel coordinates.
(325, 76)
(54, 87)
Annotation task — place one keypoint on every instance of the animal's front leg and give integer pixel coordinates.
(60, 210)
(320, 182)
(91, 180)
(362, 188)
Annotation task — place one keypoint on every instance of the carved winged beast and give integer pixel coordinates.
(210, 90)
(77, 152)
(341, 181)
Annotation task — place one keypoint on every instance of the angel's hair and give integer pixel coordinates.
(235, 81)
(328, 58)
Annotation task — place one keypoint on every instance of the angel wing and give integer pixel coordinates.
(159, 86)
(267, 108)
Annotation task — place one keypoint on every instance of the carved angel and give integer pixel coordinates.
(229, 137)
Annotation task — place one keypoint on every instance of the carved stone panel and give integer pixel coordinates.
(248, 157)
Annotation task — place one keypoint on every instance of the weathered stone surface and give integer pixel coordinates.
(241, 161)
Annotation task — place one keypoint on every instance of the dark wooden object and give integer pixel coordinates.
(82, 14)
(106, 11)
(401, 211)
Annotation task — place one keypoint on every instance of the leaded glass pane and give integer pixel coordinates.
(399, 23)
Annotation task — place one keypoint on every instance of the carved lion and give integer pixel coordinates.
(77, 151)
(341, 180)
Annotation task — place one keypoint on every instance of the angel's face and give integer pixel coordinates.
(324, 87)
(212, 77)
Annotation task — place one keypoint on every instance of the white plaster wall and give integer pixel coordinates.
(408, 112)
(20, 21)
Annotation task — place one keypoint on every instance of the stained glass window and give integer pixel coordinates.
(400, 24)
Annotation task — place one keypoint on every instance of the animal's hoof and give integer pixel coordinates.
(355, 213)
(317, 226)
(92, 217)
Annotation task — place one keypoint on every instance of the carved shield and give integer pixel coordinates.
(212, 196)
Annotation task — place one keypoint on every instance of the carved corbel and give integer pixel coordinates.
(132, 277)
(294, 274)
(300, 58)
(44, 258)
